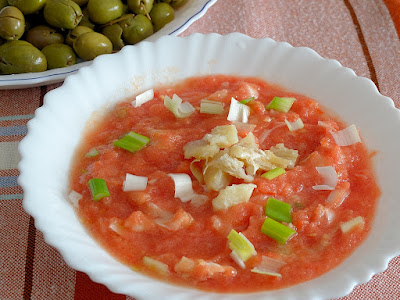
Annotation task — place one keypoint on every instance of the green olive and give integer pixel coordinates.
(59, 56)
(85, 21)
(81, 2)
(75, 33)
(177, 3)
(41, 36)
(3, 3)
(28, 6)
(141, 7)
(137, 29)
(62, 13)
(114, 33)
(161, 14)
(12, 23)
(21, 57)
(102, 12)
(92, 44)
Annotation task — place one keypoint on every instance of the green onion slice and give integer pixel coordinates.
(281, 104)
(132, 142)
(179, 109)
(246, 101)
(211, 107)
(92, 153)
(98, 188)
(241, 245)
(278, 210)
(277, 231)
(271, 174)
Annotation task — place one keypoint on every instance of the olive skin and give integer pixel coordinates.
(64, 14)
(41, 36)
(139, 28)
(81, 2)
(21, 57)
(114, 33)
(102, 12)
(12, 23)
(85, 21)
(75, 33)
(141, 7)
(92, 44)
(59, 56)
(3, 3)
(161, 14)
(28, 6)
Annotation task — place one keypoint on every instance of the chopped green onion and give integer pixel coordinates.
(179, 109)
(269, 266)
(271, 174)
(246, 101)
(241, 245)
(353, 223)
(92, 153)
(296, 125)
(98, 188)
(211, 107)
(278, 210)
(281, 104)
(132, 142)
(277, 231)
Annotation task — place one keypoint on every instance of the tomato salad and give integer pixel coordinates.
(226, 184)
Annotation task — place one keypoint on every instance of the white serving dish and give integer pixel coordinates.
(56, 129)
(184, 17)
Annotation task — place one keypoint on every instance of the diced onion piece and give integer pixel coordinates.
(233, 195)
(211, 107)
(241, 245)
(271, 174)
(132, 142)
(237, 260)
(98, 188)
(244, 126)
(296, 125)
(269, 266)
(238, 112)
(282, 104)
(92, 153)
(179, 109)
(134, 183)
(183, 186)
(278, 210)
(336, 197)
(347, 136)
(74, 198)
(277, 231)
(246, 101)
(143, 98)
(156, 265)
(330, 178)
(352, 224)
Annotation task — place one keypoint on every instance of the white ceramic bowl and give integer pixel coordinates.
(55, 131)
(184, 17)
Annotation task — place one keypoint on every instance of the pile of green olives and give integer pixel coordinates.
(39, 35)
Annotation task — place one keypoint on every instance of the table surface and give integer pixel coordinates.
(360, 34)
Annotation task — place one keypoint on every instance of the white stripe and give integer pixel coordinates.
(9, 155)
(13, 118)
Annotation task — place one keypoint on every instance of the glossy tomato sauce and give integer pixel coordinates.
(125, 222)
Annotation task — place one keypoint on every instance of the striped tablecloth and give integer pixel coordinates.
(361, 34)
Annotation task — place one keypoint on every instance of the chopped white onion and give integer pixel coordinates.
(143, 98)
(237, 260)
(244, 126)
(330, 178)
(134, 183)
(179, 109)
(347, 136)
(198, 200)
(269, 266)
(353, 223)
(253, 92)
(74, 198)
(296, 125)
(183, 186)
(333, 196)
(238, 112)
(156, 265)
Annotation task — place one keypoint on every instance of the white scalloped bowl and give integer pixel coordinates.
(184, 17)
(56, 129)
